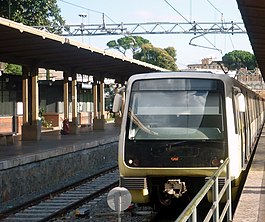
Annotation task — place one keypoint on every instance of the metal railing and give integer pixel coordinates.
(190, 212)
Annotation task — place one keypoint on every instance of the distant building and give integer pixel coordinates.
(207, 64)
(251, 78)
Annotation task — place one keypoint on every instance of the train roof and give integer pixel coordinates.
(191, 74)
(182, 74)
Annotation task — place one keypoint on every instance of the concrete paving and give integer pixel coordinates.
(52, 144)
(251, 206)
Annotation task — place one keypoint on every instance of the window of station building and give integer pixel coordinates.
(6, 106)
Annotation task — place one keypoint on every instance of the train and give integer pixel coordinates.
(179, 127)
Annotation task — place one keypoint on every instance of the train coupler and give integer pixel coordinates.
(175, 187)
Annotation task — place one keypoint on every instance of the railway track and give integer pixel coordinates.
(89, 195)
(59, 203)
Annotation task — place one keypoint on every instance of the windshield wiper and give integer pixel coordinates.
(140, 124)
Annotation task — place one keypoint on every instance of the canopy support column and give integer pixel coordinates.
(65, 95)
(95, 98)
(31, 128)
(102, 100)
(99, 120)
(74, 123)
(25, 93)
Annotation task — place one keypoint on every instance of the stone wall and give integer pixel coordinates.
(21, 182)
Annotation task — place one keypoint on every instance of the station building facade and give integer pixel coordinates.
(51, 102)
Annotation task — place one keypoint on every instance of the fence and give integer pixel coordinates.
(190, 212)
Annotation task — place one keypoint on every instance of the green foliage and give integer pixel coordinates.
(239, 59)
(132, 43)
(44, 122)
(171, 51)
(156, 56)
(144, 51)
(33, 13)
(13, 69)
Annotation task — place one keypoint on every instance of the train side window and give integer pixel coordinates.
(241, 102)
(239, 105)
(235, 108)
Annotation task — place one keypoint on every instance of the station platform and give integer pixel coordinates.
(53, 143)
(251, 205)
(30, 169)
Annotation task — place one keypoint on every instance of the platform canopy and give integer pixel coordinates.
(24, 45)
(253, 15)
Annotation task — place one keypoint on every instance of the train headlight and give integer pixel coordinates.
(134, 162)
(216, 162)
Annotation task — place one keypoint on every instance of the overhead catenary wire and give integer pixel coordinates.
(215, 8)
(91, 10)
(202, 35)
(222, 19)
(190, 10)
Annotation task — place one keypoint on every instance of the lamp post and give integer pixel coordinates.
(82, 15)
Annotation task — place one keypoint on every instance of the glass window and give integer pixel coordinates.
(176, 109)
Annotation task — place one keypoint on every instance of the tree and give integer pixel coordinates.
(239, 59)
(156, 56)
(13, 69)
(172, 52)
(132, 43)
(33, 13)
(143, 50)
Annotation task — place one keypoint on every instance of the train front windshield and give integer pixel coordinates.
(175, 122)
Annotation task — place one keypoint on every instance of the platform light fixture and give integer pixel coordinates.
(82, 15)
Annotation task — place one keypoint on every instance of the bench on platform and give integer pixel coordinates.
(7, 138)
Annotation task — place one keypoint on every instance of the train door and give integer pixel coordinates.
(240, 107)
(248, 131)
(242, 129)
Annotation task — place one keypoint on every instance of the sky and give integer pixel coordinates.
(142, 11)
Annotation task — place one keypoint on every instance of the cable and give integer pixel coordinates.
(206, 47)
(214, 7)
(231, 42)
(202, 35)
(190, 10)
(78, 6)
(222, 19)
(177, 12)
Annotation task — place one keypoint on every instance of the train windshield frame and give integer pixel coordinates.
(176, 109)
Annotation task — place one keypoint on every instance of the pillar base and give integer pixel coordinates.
(74, 128)
(99, 124)
(31, 132)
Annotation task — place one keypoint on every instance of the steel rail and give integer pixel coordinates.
(70, 198)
